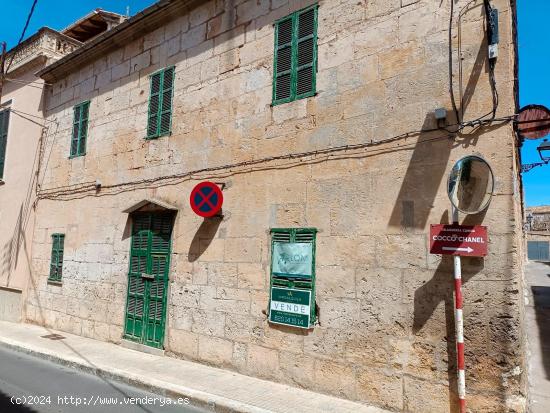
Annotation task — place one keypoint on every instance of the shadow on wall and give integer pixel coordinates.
(10, 250)
(429, 296)
(428, 164)
(203, 237)
(420, 186)
(541, 297)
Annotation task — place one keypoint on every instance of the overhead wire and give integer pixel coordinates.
(50, 193)
(491, 66)
(29, 84)
(492, 63)
(451, 70)
(31, 115)
(452, 129)
(29, 16)
(33, 83)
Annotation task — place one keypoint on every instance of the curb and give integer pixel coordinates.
(198, 398)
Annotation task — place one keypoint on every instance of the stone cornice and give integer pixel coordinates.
(46, 42)
(143, 22)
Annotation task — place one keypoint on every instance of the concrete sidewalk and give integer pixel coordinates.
(537, 315)
(218, 390)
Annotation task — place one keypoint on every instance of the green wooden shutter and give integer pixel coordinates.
(76, 127)
(153, 119)
(84, 111)
(299, 235)
(135, 307)
(4, 123)
(295, 62)
(161, 234)
(283, 60)
(56, 263)
(306, 41)
(148, 278)
(166, 105)
(159, 121)
(80, 129)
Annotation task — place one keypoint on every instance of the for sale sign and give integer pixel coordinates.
(290, 306)
(292, 259)
(467, 241)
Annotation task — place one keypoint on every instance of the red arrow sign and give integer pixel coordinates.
(468, 241)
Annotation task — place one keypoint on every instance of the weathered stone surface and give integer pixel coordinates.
(385, 330)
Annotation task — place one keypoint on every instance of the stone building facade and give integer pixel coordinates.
(361, 161)
(537, 232)
(21, 132)
(538, 218)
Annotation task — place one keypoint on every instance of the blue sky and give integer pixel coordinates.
(56, 14)
(534, 53)
(534, 83)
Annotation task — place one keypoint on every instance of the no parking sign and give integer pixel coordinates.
(206, 199)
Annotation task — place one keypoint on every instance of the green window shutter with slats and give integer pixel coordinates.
(159, 120)
(148, 278)
(56, 263)
(79, 136)
(295, 61)
(298, 235)
(4, 123)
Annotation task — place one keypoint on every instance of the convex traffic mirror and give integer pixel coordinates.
(471, 185)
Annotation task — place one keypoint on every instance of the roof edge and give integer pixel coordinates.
(90, 14)
(124, 32)
(38, 33)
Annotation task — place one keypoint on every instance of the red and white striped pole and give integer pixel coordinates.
(459, 327)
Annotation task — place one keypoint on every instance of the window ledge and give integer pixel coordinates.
(152, 138)
(53, 282)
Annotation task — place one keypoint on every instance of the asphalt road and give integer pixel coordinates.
(47, 387)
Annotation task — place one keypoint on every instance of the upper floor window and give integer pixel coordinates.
(56, 262)
(295, 62)
(159, 121)
(4, 123)
(80, 129)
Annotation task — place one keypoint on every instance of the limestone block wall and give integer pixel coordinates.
(17, 186)
(386, 327)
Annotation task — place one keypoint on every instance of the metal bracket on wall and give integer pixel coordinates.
(529, 166)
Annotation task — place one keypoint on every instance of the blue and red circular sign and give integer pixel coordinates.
(206, 199)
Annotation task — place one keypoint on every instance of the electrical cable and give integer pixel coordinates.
(22, 34)
(492, 62)
(29, 84)
(32, 83)
(31, 115)
(492, 79)
(460, 126)
(56, 192)
(451, 87)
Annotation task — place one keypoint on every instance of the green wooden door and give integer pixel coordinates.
(148, 278)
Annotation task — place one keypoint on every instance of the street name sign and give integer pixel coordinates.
(463, 240)
(290, 307)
